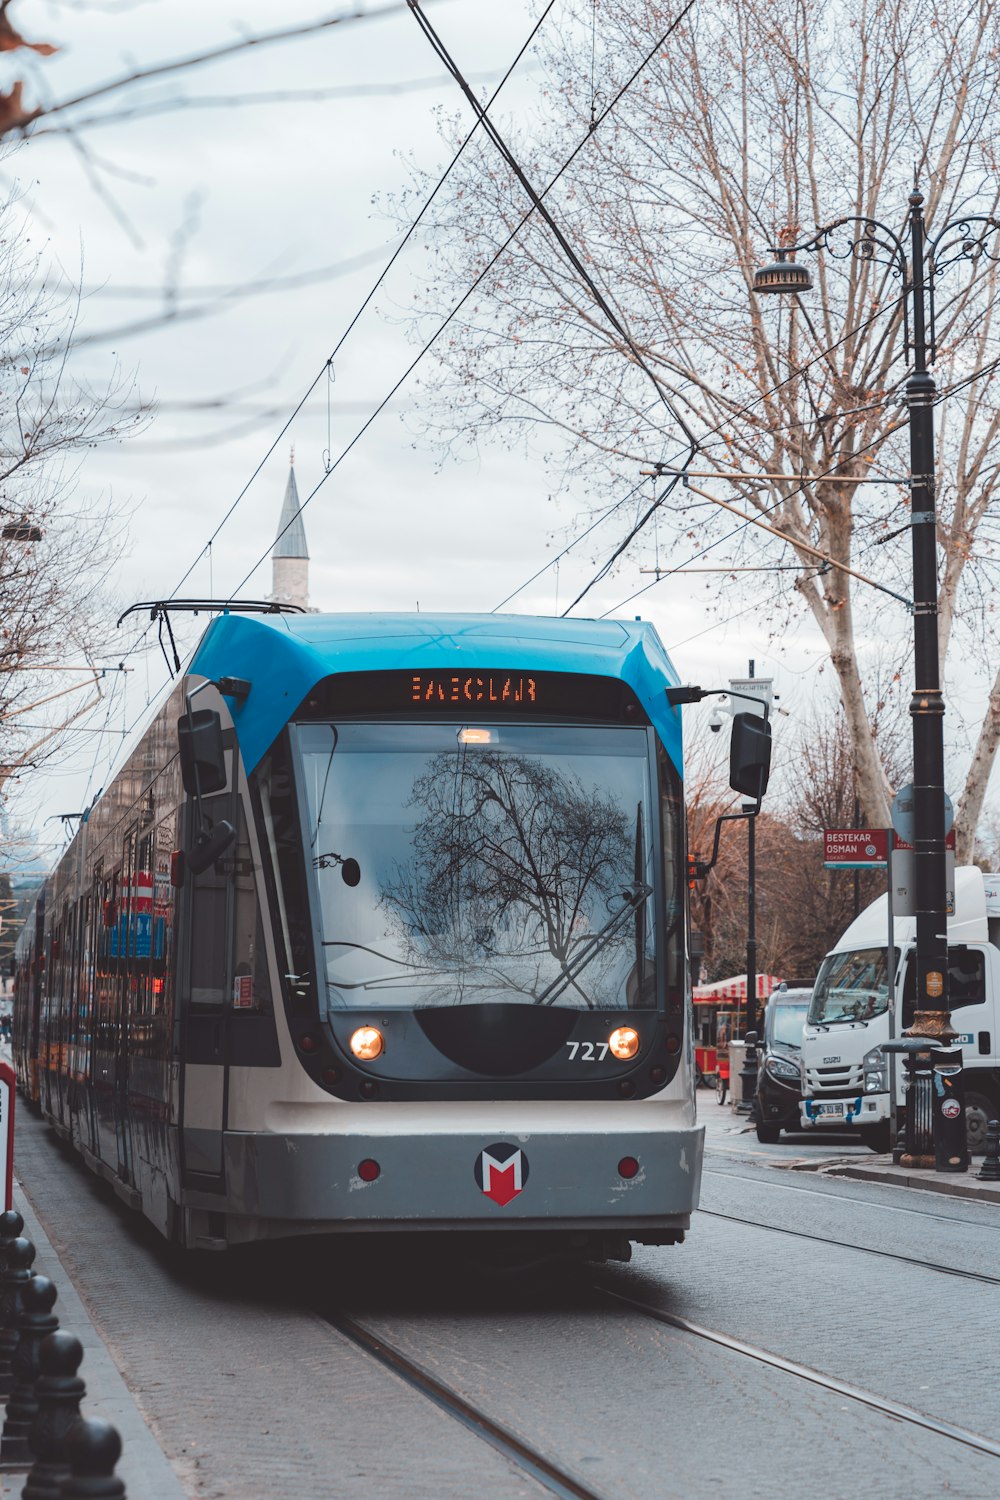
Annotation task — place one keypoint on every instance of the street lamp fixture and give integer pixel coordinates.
(21, 531)
(868, 239)
(782, 276)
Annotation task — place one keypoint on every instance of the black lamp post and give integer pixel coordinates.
(962, 239)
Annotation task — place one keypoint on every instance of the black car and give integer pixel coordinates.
(779, 1084)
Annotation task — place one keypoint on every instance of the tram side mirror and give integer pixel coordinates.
(203, 760)
(750, 755)
(210, 845)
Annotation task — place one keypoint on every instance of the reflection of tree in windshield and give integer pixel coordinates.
(516, 864)
(850, 987)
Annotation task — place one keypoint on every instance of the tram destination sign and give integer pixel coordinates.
(855, 848)
(473, 692)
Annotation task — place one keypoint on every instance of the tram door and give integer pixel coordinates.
(204, 1001)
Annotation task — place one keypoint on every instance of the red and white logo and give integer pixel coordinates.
(501, 1172)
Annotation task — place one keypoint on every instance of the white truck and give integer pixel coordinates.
(845, 1078)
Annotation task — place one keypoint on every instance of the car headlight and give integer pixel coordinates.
(874, 1066)
(782, 1069)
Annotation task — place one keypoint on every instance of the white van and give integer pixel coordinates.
(844, 1072)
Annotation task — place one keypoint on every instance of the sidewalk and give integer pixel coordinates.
(143, 1465)
(836, 1157)
(883, 1169)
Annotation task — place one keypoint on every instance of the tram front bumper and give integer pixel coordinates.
(456, 1180)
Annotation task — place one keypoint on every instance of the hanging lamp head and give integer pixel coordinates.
(783, 276)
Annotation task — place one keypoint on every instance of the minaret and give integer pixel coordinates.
(290, 558)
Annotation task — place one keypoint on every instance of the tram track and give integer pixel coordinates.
(884, 1405)
(557, 1480)
(550, 1476)
(909, 1260)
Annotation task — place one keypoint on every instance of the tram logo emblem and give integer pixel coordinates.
(501, 1172)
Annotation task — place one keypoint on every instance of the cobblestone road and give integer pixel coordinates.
(251, 1393)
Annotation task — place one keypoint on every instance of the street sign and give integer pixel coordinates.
(756, 687)
(903, 876)
(903, 813)
(855, 848)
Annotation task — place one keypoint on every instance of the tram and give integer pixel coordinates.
(382, 927)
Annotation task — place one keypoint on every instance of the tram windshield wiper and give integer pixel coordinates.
(635, 895)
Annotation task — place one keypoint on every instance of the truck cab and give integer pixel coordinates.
(864, 994)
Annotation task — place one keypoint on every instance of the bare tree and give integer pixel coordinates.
(56, 541)
(754, 123)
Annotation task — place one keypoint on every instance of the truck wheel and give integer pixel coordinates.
(978, 1113)
(878, 1137)
(768, 1135)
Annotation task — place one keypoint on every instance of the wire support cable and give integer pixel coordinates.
(609, 107)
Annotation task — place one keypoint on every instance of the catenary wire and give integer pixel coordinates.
(568, 250)
(327, 366)
(368, 298)
(609, 107)
(765, 510)
(654, 508)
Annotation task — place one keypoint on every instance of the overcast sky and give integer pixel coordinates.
(221, 195)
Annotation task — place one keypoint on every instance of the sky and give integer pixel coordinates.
(282, 163)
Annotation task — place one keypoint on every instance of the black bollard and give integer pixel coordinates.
(14, 1277)
(59, 1390)
(990, 1169)
(37, 1320)
(11, 1225)
(93, 1448)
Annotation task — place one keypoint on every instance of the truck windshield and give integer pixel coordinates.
(850, 987)
(462, 864)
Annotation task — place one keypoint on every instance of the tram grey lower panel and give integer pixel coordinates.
(424, 1181)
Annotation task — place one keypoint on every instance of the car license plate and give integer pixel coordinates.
(830, 1109)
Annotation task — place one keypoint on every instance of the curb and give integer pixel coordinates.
(928, 1182)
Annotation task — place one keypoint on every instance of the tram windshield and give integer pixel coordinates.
(462, 865)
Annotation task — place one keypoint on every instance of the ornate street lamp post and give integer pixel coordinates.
(962, 239)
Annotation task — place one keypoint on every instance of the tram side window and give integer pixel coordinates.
(164, 898)
(208, 921)
(251, 983)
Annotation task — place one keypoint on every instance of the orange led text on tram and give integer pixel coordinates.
(474, 689)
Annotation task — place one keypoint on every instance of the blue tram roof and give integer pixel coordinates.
(285, 656)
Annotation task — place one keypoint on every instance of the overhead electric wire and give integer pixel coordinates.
(735, 416)
(367, 300)
(475, 285)
(327, 365)
(765, 510)
(553, 561)
(561, 239)
(738, 531)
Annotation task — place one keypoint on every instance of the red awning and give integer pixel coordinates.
(734, 989)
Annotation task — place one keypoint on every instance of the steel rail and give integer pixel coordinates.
(527, 1459)
(888, 1208)
(910, 1260)
(884, 1405)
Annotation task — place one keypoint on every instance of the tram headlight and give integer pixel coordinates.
(367, 1043)
(624, 1042)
